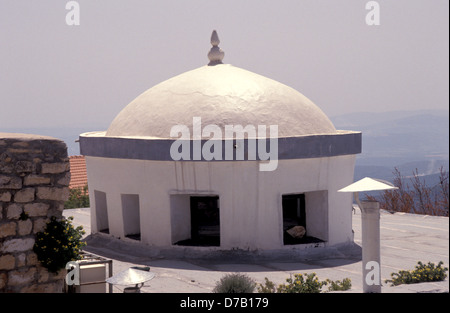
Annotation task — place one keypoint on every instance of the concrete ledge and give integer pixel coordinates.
(105, 244)
(148, 148)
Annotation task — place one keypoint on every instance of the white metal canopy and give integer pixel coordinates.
(368, 184)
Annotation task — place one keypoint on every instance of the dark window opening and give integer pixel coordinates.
(134, 236)
(205, 222)
(294, 221)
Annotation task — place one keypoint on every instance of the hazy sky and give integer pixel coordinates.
(53, 74)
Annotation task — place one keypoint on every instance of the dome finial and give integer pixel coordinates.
(215, 55)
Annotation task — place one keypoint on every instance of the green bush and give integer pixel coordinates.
(422, 273)
(235, 283)
(58, 244)
(268, 287)
(307, 283)
(78, 198)
(338, 285)
(304, 283)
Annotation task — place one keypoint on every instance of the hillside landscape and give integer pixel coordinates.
(407, 140)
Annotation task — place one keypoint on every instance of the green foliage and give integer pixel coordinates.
(338, 285)
(304, 283)
(58, 244)
(268, 287)
(78, 198)
(307, 283)
(422, 273)
(235, 283)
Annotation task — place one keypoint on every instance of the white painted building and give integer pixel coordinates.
(138, 190)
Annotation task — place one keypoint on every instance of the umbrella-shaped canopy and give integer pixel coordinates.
(368, 184)
(132, 276)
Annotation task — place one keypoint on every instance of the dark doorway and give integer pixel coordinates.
(294, 214)
(294, 211)
(205, 221)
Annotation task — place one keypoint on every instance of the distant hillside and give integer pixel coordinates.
(392, 138)
(403, 139)
(425, 168)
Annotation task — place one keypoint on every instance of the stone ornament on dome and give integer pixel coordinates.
(216, 54)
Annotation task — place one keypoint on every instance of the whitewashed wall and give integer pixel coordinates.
(250, 200)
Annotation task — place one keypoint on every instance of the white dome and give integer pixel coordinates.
(220, 95)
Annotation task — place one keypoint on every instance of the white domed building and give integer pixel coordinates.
(223, 158)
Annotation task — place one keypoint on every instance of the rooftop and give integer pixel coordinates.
(405, 240)
(78, 173)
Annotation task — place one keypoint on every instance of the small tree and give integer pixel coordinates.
(78, 198)
(420, 199)
(59, 243)
(444, 189)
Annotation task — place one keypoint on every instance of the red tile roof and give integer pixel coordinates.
(78, 172)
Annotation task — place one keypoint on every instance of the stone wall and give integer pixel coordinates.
(34, 180)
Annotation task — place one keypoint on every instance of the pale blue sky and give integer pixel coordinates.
(52, 74)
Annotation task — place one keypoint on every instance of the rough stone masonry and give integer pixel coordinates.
(34, 180)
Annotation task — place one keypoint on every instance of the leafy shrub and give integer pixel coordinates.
(422, 273)
(338, 285)
(268, 287)
(304, 283)
(78, 198)
(58, 244)
(235, 283)
(308, 283)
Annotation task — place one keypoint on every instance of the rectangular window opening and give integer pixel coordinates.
(131, 217)
(101, 212)
(196, 221)
(295, 226)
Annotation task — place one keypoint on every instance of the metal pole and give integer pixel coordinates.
(370, 228)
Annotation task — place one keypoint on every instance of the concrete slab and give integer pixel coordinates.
(405, 240)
